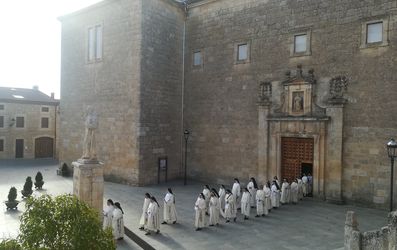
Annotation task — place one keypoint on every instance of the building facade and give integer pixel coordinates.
(267, 88)
(27, 124)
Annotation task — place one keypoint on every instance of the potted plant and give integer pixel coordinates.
(12, 203)
(27, 188)
(39, 181)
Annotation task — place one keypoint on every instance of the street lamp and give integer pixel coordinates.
(391, 152)
(186, 134)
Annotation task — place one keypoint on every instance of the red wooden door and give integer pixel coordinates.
(294, 152)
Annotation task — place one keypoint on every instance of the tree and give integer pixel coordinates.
(62, 223)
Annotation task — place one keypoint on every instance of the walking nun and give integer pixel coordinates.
(230, 211)
(294, 192)
(108, 214)
(222, 193)
(261, 209)
(169, 208)
(143, 220)
(200, 208)
(268, 192)
(245, 204)
(236, 191)
(275, 196)
(252, 188)
(118, 222)
(214, 208)
(285, 192)
(153, 220)
(207, 196)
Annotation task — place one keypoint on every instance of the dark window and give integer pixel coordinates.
(45, 109)
(1, 121)
(1, 106)
(44, 122)
(20, 122)
(1, 145)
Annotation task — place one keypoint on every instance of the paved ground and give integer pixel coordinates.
(308, 225)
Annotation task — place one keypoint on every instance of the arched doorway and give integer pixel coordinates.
(44, 147)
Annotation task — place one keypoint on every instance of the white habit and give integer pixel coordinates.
(275, 196)
(200, 207)
(153, 220)
(108, 216)
(305, 185)
(143, 220)
(207, 196)
(118, 224)
(222, 193)
(284, 193)
(230, 211)
(252, 190)
(268, 201)
(245, 204)
(294, 192)
(214, 210)
(261, 209)
(236, 191)
(169, 208)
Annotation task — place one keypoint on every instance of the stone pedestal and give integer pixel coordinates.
(88, 183)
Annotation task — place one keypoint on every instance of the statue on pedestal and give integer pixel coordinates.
(91, 124)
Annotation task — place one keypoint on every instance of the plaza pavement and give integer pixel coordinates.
(311, 224)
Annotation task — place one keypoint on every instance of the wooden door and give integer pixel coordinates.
(44, 147)
(294, 152)
(19, 148)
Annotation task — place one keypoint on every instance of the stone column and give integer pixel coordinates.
(334, 161)
(88, 183)
(352, 234)
(263, 140)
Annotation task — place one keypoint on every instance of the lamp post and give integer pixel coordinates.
(391, 152)
(186, 134)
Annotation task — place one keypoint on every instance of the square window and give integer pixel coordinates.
(197, 58)
(45, 109)
(375, 32)
(242, 52)
(1, 121)
(1, 106)
(20, 122)
(300, 43)
(44, 122)
(1, 145)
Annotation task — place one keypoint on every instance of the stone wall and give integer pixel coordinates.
(220, 107)
(111, 85)
(383, 239)
(161, 81)
(32, 115)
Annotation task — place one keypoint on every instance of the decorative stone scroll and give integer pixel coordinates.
(265, 93)
(338, 87)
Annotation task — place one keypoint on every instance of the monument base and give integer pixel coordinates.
(88, 183)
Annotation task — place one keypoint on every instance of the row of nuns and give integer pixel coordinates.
(224, 203)
(113, 218)
(264, 198)
(150, 218)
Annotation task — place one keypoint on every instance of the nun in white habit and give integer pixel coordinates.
(294, 192)
(169, 208)
(118, 222)
(268, 192)
(230, 211)
(207, 196)
(285, 194)
(153, 220)
(143, 220)
(214, 208)
(108, 214)
(200, 208)
(275, 196)
(236, 191)
(252, 188)
(261, 209)
(245, 204)
(222, 193)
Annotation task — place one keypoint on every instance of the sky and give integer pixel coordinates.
(30, 42)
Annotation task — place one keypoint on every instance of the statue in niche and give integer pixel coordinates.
(297, 101)
(91, 124)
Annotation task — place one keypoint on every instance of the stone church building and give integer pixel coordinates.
(265, 87)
